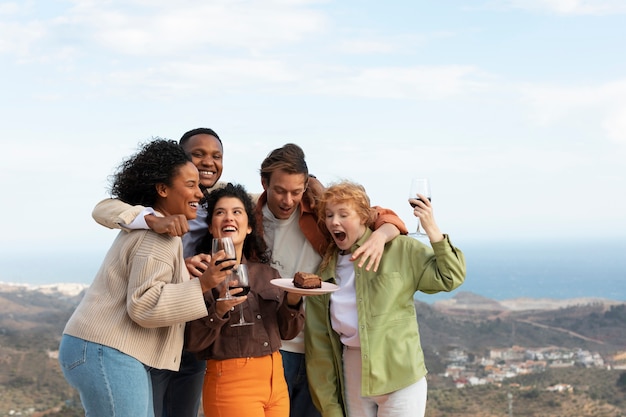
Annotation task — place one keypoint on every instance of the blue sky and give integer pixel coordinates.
(516, 110)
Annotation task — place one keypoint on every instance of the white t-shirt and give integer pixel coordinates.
(291, 252)
(343, 313)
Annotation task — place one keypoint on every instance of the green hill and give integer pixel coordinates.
(31, 323)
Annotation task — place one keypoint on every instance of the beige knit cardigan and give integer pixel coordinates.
(140, 300)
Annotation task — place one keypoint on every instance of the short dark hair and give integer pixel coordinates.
(289, 158)
(156, 162)
(254, 247)
(198, 131)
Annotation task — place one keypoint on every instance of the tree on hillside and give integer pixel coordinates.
(621, 381)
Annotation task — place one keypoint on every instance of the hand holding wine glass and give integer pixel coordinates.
(419, 186)
(197, 264)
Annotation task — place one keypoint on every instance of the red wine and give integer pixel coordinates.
(245, 288)
(225, 260)
(418, 199)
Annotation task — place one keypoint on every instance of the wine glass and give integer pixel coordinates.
(224, 244)
(240, 279)
(419, 186)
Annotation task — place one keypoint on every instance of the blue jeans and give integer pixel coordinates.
(110, 383)
(299, 395)
(178, 394)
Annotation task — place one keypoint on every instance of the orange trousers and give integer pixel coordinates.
(246, 387)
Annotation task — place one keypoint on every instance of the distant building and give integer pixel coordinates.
(560, 388)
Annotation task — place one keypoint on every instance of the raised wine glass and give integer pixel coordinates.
(240, 279)
(419, 186)
(224, 244)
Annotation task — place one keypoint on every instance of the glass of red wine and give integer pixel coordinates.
(226, 245)
(240, 279)
(419, 186)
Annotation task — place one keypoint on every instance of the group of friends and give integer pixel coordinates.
(152, 335)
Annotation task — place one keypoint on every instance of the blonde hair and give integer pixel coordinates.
(349, 193)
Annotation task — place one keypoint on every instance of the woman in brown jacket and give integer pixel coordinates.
(244, 375)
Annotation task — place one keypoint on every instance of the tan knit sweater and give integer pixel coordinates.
(140, 300)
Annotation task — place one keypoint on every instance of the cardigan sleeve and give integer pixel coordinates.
(113, 213)
(159, 291)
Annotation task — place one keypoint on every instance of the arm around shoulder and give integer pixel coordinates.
(383, 215)
(114, 213)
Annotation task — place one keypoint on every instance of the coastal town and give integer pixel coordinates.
(467, 369)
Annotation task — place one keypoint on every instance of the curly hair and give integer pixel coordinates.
(254, 246)
(157, 162)
(342, 192)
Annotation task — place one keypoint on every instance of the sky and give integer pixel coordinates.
(514, 109)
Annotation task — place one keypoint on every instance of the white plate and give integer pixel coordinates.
(287, 285)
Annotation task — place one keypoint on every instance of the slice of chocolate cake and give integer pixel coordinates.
(307, 280)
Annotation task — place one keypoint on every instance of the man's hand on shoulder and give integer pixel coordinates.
(174, 225)
(313, 191)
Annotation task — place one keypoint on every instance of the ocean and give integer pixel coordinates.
(498, 270)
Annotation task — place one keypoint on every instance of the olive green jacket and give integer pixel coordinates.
(391, 352)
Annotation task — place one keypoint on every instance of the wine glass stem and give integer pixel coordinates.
(241, 319)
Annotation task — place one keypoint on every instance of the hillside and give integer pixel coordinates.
(475, 322)
(31, 321)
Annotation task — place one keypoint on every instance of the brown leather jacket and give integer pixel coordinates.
(212, 337)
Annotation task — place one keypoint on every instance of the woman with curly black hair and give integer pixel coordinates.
(244, 373)
(132, 317)
(254, 246)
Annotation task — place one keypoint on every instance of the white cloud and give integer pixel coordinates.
(364, 46)
(257, 75)
(18, 39)
(9, 8)
(615, 125)
(216, 47)
(367, 43)
(571, 7)
(552, 104)
(417, 82)
(163, 28)
(185, 30)
(58, 158)
(203, 77)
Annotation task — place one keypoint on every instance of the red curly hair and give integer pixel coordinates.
(347, 192)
